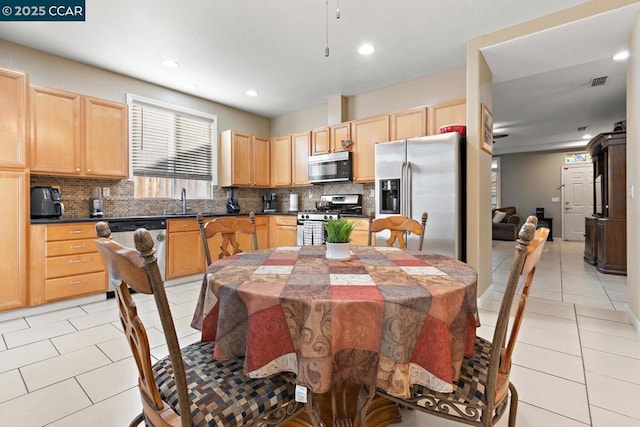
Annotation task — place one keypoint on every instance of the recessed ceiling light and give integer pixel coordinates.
(252, 93)
(587, 136)
(170, 63)
(366, 49)
(621, 56)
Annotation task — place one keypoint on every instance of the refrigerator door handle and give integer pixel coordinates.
(403, 190)
(409, 200)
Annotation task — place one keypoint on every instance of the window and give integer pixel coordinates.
(171, 148)
(577, 158)
(495, 182)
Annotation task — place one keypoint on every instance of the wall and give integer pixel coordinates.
(633, 174)
(530, 181)
(423, 91)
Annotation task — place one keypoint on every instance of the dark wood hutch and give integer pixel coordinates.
(606, 230)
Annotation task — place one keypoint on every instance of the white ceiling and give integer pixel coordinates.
(226, 47)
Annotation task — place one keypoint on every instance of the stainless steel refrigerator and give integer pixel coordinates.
(424, 174)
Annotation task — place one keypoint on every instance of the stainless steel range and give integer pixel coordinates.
(310, 229)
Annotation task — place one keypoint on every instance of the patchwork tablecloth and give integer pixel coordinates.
(386, 317)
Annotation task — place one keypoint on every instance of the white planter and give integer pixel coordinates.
(339, 251)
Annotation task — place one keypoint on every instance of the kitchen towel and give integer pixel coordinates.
(307, 233)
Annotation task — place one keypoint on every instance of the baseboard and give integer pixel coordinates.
(632, 317)
(486, 296)
(50, 306)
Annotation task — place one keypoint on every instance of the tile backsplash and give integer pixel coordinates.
(76, 192)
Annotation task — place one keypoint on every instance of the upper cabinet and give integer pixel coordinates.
(366, 133)
(301, 143)
(244, 160)
(339, 134)
(80, 136)
(409, 123)
(447, 113)
(320, 141)
(13, 121)
(281, 161)
(330, 139)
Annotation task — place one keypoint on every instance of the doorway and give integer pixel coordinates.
(577, 185)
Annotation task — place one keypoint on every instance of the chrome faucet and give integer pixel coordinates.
(183, 199)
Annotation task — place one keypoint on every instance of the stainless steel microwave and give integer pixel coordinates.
(332, 167)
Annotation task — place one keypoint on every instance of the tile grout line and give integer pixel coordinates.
(584, 368)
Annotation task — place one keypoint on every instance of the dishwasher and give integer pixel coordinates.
(122, 231)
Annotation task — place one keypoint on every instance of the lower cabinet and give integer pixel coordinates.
(360, 233)
(185, 253)
(65, 262)
(283, 231)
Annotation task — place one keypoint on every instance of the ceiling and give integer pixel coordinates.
(226, 47)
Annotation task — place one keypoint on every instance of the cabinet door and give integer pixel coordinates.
(285, 236)
(13, 128)
(339, 134)
(241, 159)
(360, 233)
(261, 159)
(13, 250)
(447, 113)
(55, 132)
(366, 133)
(301, 143)
(106, 139)
(281, 161)
(409, 123)
(185, 254)
(320, 141)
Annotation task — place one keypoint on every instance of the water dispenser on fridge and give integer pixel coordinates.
(389, 196)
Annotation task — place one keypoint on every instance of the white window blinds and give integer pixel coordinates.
(169, 143)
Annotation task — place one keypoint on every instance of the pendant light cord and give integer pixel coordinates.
(326, 48)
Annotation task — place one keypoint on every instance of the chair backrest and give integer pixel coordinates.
(227, 227)
(398, 226)
(139, 270)
(529, 247)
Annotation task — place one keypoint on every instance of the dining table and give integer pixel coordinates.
(386, 318)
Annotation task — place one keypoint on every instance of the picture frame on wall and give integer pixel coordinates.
(486, 140)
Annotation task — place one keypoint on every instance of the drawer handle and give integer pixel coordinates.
(76, 261)
(76, 231)
(76, 246)
(76, 282)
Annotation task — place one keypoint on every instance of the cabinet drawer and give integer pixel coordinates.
(286, 220)
(70, 265)
(71, 231)
(70, 247)
(178, 225)
(72, 286)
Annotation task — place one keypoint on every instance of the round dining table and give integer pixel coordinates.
(386, 318)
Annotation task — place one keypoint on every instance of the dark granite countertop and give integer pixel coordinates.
(63, 220)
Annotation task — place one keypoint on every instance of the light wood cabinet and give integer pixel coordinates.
(282, 230)
(72, 135)
(301, 145)
(65, 262)
(320, 141)
(409, 123)
(339, 134)
(185, 254)
(14, 187)
(244, 160)
(281, 161)
(447, 113)
(13, 126)
(359, 234)
(366, 133)
(106, 139)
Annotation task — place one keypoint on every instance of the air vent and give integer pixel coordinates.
(598, 81)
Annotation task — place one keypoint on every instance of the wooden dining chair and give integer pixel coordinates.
(227, 228)
(189, 387)
(481, 393)
(399, 226)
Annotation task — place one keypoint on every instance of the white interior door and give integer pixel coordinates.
(578, 203)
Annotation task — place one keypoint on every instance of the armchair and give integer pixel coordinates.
(507, 228)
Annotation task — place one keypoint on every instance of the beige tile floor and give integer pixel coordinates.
(577, 362)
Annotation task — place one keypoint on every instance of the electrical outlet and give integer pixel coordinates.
(310, 193)
(106, 192)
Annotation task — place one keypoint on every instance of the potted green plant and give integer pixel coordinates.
(338, 238)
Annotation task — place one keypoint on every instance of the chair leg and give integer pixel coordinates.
(137, 420)
(513, 405)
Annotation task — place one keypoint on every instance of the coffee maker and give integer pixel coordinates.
(232, 201)
(96, 204)
(270, 203)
